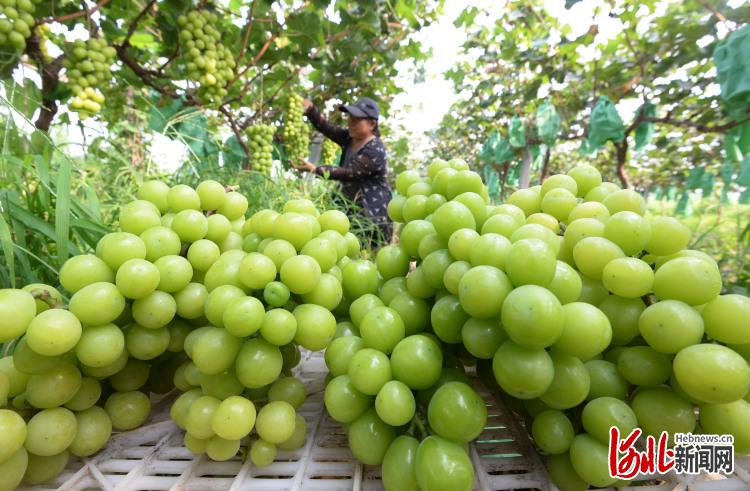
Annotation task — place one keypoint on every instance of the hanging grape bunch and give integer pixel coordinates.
(16, 22)
(296, 138)
(209, 62)
(87, 64)
(42, 31)
(328, 153)
(260, 143)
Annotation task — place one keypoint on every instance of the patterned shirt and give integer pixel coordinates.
(363, 174)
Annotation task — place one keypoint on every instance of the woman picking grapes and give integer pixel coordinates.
(363, 167)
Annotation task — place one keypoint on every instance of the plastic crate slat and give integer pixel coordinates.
(139, 470)
(185, 477)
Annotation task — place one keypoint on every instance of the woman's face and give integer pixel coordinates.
(360, 128)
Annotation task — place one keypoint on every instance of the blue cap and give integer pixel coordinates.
(364, 108)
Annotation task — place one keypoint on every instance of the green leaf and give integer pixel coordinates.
(7, 244)
(27, 275)
(466, 17)
(232, 154)
(62, 211)
(143, 40)
(160, 116)
(94, 227)
(94, 205)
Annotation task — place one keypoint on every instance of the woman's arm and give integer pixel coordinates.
(336, 133)
(367, 163)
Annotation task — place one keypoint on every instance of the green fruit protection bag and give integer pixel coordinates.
(707, 186)
(517, 132)
(488, 149)
(605, 124)
(504, 151)
(537, 156)
(727, 170)
(658, 193)
(671, 193)
(645, 130)
(514, 175)
(493, 182)
(744, 178)
(732, 60)
(731, 149)
(695, 177)
(683, 205)
(743, 138)
(547, 123)
(585, 149)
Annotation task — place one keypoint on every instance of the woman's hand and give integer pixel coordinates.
(306, 104)
(303, 165)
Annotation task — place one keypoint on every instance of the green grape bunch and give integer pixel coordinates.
(328, 152)
(260, 143)
(295, 133)
(87, 65)
(208, 61)
(16, 21)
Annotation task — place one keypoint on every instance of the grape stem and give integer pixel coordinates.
(419, 422)
(45, 296)
(75, 15)
(236, 130)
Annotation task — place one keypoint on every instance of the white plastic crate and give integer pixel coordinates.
(154, 458)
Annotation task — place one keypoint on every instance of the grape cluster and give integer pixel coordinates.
(187, 294)
(260, 142)
(328, 152)
(87, 67)
(296, 137)
(584, 310)
(208, 61)
(16, 21)
(42, 31)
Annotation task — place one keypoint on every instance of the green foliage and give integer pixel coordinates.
(172, 69)
(47, 214)
(661, 58)
(731, 59)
